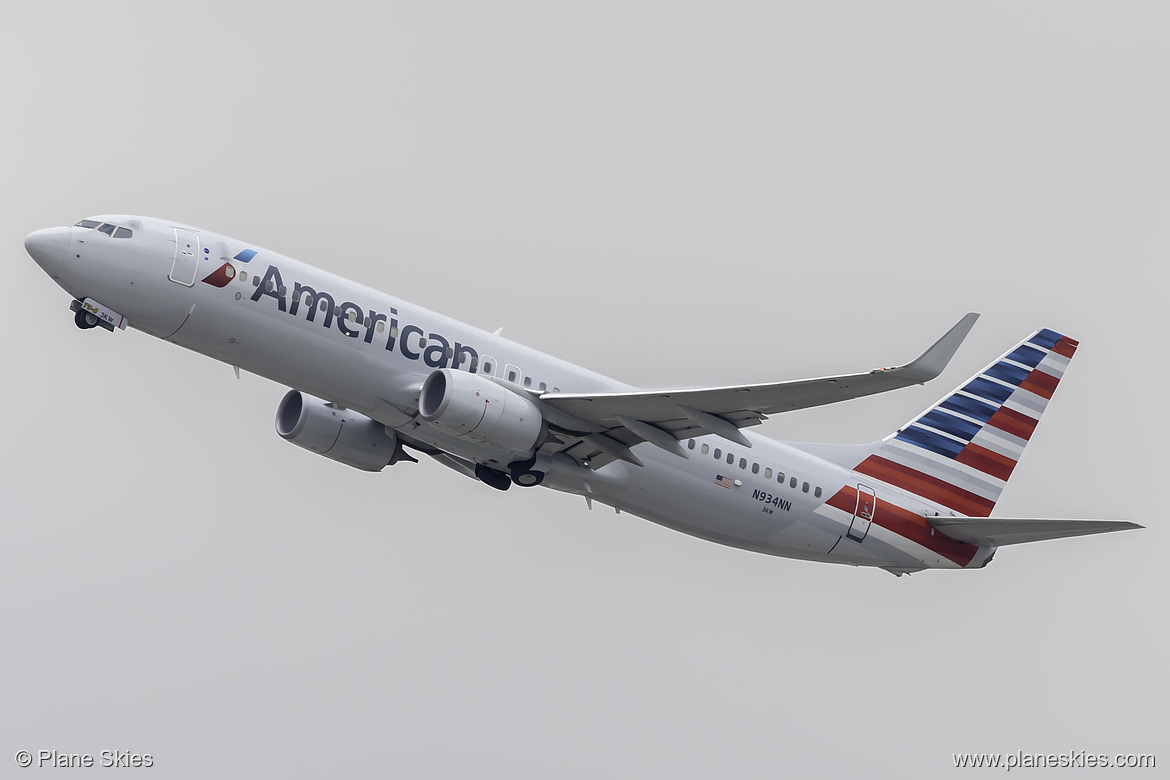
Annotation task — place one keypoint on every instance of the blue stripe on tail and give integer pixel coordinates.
(1046, 338)
(976, 410)
(1029, 356)
(948, 423)
(985, 388)
(934, 442)
(1006, 372)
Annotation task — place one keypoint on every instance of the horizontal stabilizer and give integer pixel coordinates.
(999, 531)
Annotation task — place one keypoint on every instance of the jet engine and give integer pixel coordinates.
(482, 411)
(338, 434)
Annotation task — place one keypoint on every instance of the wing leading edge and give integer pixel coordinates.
(615, 421)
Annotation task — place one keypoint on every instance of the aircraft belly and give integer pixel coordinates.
(677, 494)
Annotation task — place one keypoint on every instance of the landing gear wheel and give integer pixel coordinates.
(523, 473)
(85, 320)
(528, 478)
(489, 476)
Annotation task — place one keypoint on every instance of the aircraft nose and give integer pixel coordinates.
(49, 247)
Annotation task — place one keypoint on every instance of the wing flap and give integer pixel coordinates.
(1000, 531)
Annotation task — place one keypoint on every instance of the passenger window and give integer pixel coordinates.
(556, 389)
(107, 228)
(393, 331)
(755, 468)
(743, 463)
(283, 291)
(730, 459)
(780, 477)
(705, 449)
(450, 353)
(691, 444)
(324, 304)
(487, 365)
(270, 286)
(528, 381)
(256, 282)
(511, 376)
(422, 343)
(817, 492)
(380, 327)
(804, 488)
(366, 322)
(243, 276)
(123, 233)
(767, 473)
(718, 453)
(792, 482)
(543, 387)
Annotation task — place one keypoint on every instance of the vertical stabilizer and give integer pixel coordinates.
(961, 452)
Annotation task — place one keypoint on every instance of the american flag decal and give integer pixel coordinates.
(722, 481)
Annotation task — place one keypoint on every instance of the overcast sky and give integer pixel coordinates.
(669, 193)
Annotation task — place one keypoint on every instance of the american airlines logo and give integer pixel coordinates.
(434, 349)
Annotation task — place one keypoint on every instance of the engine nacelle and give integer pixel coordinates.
(339, 434)
(482, 411)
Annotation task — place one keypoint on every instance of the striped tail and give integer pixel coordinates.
(961, 452)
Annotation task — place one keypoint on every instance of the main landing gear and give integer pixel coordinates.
(524, 475)
(520, 473)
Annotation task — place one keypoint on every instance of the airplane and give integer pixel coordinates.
(375, 379)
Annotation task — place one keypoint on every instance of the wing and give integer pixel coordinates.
(608, 424)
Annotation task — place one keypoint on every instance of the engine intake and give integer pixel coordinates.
(471, 406)
(339, 434)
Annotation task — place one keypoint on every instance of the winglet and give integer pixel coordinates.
(932, 362)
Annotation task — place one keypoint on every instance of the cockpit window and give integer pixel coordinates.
(114, 231)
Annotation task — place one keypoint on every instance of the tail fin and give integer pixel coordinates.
(961, 451)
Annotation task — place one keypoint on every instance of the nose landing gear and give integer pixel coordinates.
(89, 314)
(84, 319)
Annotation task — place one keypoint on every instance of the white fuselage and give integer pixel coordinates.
(369, 352)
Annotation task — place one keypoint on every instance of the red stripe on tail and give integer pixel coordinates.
(983, 459)
(1040, 383)
(1066, 346)
(1013, 422)
(930, 488)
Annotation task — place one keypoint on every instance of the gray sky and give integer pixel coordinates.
(672, 194)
